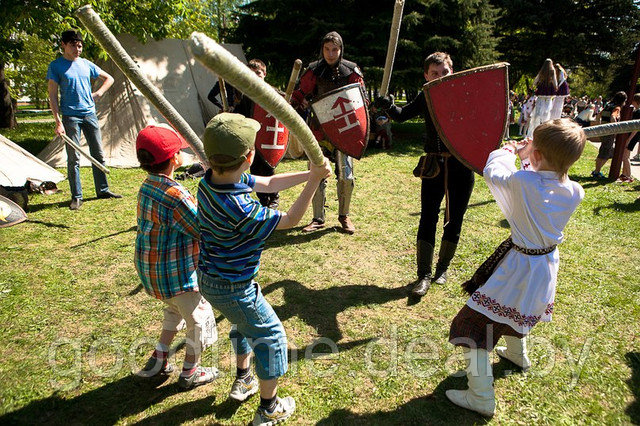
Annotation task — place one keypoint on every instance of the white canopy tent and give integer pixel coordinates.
(18, 166)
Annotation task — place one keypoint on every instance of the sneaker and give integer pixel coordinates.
(347, 225)
(636, 157)
(598, 175)
(155, 367)
(200, 376)
(284, 409)
(241, 390)
(314, 225)
(76, 203)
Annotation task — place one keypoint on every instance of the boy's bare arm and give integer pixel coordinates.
(279, 182)
(295, 213)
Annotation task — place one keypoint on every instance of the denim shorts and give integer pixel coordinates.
(255, 325)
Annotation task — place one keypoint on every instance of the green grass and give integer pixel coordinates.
(73, 312)
(29, 114)
(31, 136)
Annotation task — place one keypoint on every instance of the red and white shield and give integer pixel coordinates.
(344, 118)
(272, 138)
(469, 109)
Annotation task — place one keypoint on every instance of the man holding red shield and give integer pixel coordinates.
(443, 175)
(326, 75)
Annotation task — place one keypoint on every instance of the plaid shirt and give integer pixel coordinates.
(167, 248)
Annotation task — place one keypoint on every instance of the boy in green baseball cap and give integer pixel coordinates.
(233, 230)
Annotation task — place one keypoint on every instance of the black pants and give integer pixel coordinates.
(460, 185)
(260, 167)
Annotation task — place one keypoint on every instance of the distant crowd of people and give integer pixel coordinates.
(550, 99)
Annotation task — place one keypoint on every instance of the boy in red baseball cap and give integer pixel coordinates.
(166, 256)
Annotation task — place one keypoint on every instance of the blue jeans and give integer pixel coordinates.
(89, 127)
(255, 325)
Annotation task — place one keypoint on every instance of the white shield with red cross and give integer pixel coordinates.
(344, 118)
(272, 138)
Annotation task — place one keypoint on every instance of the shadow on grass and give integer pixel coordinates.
(590, 182)
(41, 206)
(186, 412)
(32, 208)
(431, 409)
(633, 410)
(630, 207)
(136, 290)
(105, 405)
(295, 236)
(132, 229)
(320, 308)
(321, 347)
(48, 224)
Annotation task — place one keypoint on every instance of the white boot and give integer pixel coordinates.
(480, 396)
(516, 352)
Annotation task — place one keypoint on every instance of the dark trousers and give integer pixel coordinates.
(460, 185)
(260, 167)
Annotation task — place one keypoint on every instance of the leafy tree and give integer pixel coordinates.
(589, 35)
(279, 31)
(462, 28)
(29, 70)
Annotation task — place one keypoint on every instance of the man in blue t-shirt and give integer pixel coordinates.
(71, 75)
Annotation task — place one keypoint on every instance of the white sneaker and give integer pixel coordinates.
(241, 390)
(201, 376)
(284, 409)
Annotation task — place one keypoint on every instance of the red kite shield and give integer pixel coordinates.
(272, 138)
(344, 118)
(469, 109)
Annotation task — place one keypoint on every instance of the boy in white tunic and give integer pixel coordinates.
(515, 288)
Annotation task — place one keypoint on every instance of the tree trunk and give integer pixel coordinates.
(7, 116)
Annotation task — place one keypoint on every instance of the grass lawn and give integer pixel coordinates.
(77, 323)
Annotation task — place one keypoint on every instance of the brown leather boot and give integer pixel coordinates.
(314, 225)
(347, 225)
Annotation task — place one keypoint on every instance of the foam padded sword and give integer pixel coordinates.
(224, 64)
(129, 68)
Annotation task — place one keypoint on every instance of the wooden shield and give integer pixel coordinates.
(469, 109)
(10, 213)
(272, 138)
(344, 118)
